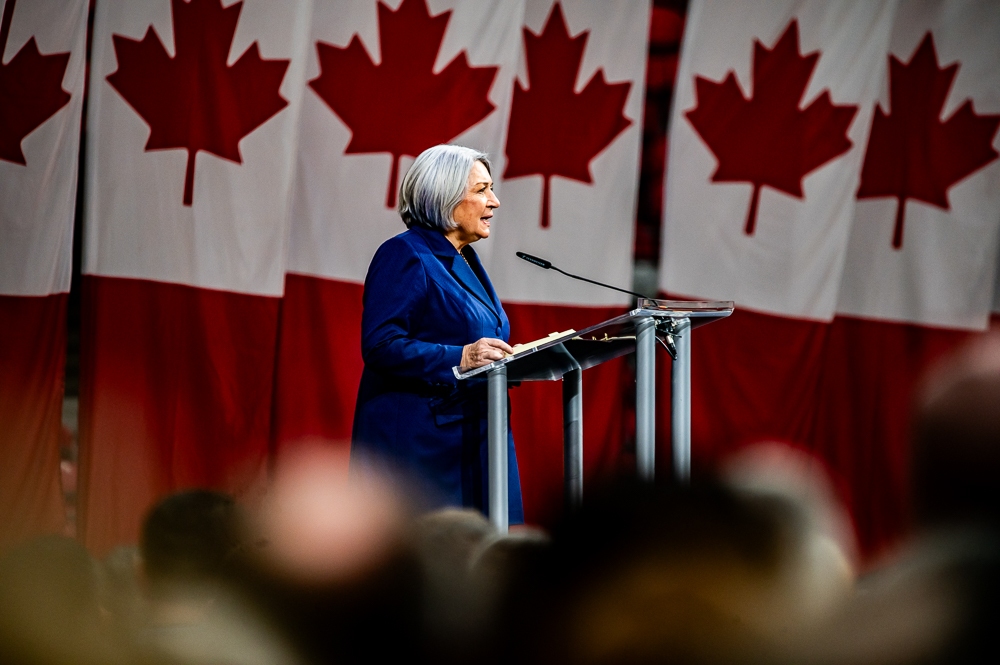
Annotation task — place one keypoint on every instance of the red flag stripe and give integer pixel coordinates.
(175, 392)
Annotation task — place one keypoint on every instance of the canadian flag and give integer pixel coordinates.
(193, 124)
(924, 238)
(553, 93)
(832, 168)
(42, 58)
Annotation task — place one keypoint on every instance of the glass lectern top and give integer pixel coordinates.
(682, 308)
(550, 358)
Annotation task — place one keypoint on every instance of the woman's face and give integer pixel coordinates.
(473, 214)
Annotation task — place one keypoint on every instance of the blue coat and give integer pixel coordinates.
(422, 304)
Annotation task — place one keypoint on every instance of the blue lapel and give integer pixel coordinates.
(466, 274)
(481, 279)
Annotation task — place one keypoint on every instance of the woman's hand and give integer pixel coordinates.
(483, 352)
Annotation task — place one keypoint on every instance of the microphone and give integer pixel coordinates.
(547, 265)
(541, 263)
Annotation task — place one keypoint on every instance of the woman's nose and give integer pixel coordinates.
(493, 201)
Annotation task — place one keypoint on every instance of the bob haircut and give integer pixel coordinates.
(435, 185)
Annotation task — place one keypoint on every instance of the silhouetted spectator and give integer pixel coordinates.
(188, 541)
(956, 443)
(454, 612)
(675, 574)
(192, 546)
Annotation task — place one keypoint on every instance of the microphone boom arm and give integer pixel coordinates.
(665, 327)
(607, 286)
(547, 265)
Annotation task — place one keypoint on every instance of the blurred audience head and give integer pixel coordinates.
(454, 614)
(324, 522)
(827, 543)
(334, 570)
(189, 540)
(448, 537)
(956, 438)
(699, 573)
(503, 561)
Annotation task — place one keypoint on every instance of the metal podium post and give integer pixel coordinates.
(680, 401)
(645, 398)
(573, 437)
(497, 446)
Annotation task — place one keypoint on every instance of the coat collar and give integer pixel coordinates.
(471, 275)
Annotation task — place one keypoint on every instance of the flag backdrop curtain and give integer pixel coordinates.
(42, 45)
(224, 254)
(193, 123)
(832, 168)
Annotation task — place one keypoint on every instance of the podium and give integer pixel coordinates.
(565, 356)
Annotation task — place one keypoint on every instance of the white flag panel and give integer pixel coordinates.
(38, 197)
(792, 262)
(233, 234)
(943, 274)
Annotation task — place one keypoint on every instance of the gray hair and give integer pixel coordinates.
(435, 185)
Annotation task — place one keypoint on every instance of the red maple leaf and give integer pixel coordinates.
(30, 90)
(194, 100)
(400, 106)
(911, 153)
(768, 139)
(554, 130)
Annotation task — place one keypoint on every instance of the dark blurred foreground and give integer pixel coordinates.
(756, 565)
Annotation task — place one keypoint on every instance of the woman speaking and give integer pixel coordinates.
(429, 306)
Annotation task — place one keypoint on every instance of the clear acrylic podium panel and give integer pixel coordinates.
(602, 342)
